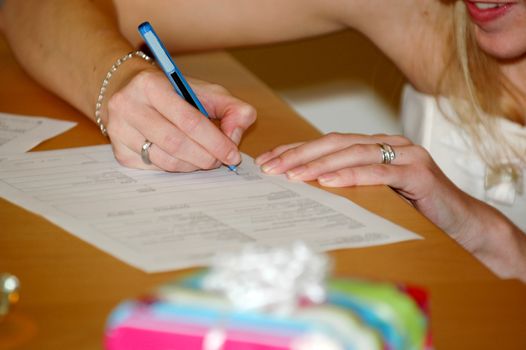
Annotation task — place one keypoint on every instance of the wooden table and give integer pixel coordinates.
(69, 287)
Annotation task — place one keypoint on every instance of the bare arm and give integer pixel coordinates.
(55, 27)
(400, 28)
(340, 160)
(494, 240)
(69, 45)
(206, 24)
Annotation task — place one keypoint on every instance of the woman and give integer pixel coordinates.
(472, 53)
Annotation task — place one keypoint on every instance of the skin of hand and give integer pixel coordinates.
(74, 66)
(339, 160)
(139, 103)
(183, 139)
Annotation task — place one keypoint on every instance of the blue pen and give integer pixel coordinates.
(171, 71)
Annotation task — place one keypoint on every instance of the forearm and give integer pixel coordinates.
(66, 45)
(497, 242)
(209, 24)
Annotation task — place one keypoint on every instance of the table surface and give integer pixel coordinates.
(69, 287)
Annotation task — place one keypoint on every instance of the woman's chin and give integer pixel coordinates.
(502, 47)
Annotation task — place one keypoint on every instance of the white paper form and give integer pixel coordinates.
(19, 134)
(158, 221)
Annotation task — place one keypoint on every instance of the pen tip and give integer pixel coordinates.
(233, 168)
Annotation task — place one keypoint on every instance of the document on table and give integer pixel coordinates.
(158, 221)
(19, 133)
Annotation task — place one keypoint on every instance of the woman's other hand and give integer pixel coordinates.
(339, 160)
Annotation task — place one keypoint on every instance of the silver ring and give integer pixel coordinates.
(144, 152)
(388, 154)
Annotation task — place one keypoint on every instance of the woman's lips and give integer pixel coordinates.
(484, 13)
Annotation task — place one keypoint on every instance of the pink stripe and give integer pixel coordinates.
(138, 333)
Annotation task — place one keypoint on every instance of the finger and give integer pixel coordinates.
(374, 174)
(236, 120)
(133, 140)
(352, 156)
(192, 123)
(167, 162)
(159, 160)
(328, 144)
(296, 156)
(275, 152)
(357, 155)
(171, 140)
(129, 158)
(236, 116)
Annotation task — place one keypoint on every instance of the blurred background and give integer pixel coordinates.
(339, 82)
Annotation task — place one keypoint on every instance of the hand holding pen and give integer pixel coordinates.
(148, 123)
(179, 83)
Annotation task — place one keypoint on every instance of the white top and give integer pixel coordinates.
(425, 124)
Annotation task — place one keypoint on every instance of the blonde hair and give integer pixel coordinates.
(479, 93)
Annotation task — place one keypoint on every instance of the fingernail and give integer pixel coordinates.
(268, 167)
(296, 172)
(259, 160)
(232, 158)
(326, 178)
(236, 136)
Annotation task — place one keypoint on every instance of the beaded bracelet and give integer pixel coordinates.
(106, 82)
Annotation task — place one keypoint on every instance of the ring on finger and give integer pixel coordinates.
(388, 154)
(145, 155)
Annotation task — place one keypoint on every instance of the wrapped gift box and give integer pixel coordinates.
(349, 314)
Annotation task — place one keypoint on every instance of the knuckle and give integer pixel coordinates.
(172, 165)
(318, 164)
(212, 163)
(248, 113)
(380, 171)
(209, 164)
(145, 78)
(334, 136)
(117, 102)
(172, 143)
(279, 150)
(218, 89)
(293, 153)
(191, 122)
(149, 82)
(359, 149)
(349, 176)
(421, 153)
(122, 158)
(400, 140)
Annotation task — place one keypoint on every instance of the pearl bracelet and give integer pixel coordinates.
(106, 82)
